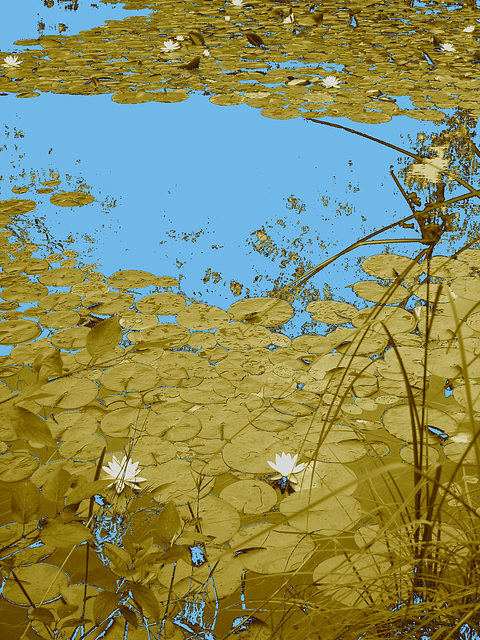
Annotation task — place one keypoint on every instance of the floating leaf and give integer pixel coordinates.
(396, 319)
(62, 277)
(104, 337)
(196, 37)
(16, 207)
(375, 292)
(18, 331)
(254, 39)
(131, 279)
(331, 311)
(398, 422)
(67, 393)
(238, 335)
(169, 97)
(134, 97)
(24, 292)
(162, 304)
(17, 466)
(250, 496)
(36, 578)
(344, 577)
(328, 515)
(202, 316)
(165, 335)
(219, 518)
(268, 312)
(130, 376)
(193, 64)
(227, 99)
(283, 549)
(389, 265)
(71, 199)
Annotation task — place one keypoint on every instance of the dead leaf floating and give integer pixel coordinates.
(254, 39)
(193, 64)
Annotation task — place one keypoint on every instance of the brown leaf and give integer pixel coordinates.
(193, 64)
(254, 39)
(196, 37)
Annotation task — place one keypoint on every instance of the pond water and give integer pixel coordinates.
(232, 193)
(31, 18)
(198, 215)
(220, 197)
(223, 198)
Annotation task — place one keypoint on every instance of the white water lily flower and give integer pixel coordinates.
(206, 53)
(285, 465)
(448, 47)
(288, 19)
(179, 38)
(124, 473)
(11, 61)
(169, 45)
(227, 18)
(331, 82)
(469, 29)
(237, 3)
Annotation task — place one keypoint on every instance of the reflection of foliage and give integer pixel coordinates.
(270, 57)
(454, 144)
(42, 187)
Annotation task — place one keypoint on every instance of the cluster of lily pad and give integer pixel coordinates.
(239, 52)
(212, 416)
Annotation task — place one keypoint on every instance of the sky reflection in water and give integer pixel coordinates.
(186, 189)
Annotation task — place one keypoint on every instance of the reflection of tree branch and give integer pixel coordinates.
(431, 231)
(359, 243)
(466, 246)
(402, 190)
(366, 240)
(450, 174)
(15, 233)
(24, 235)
